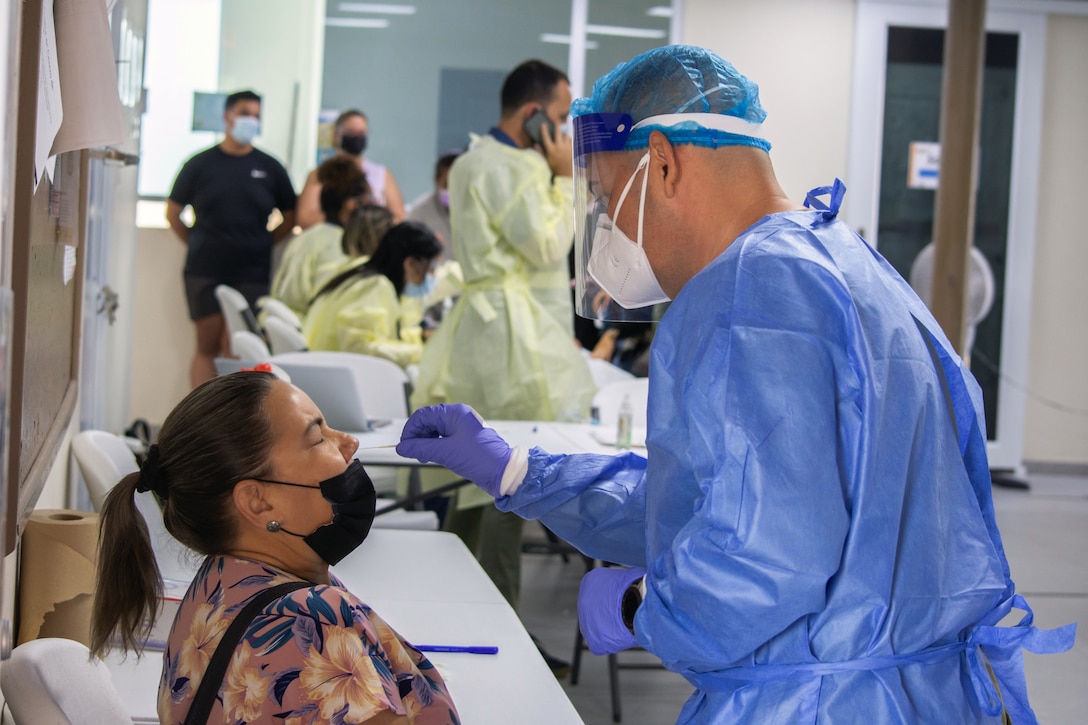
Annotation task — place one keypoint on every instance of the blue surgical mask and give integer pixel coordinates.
(412, 289)
(245, 129)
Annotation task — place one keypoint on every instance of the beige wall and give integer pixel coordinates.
(1059, 332)
(801, 60)
(164, 338)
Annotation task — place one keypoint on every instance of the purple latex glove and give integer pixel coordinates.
(455, 437)
(599, 609)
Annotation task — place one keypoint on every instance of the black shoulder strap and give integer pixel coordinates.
(217, 666)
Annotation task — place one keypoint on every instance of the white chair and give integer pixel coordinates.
(610, 397)
(271, 307)
(236, 311)
(249, 346)
(104, 459)
(54, 680)
(284, 337)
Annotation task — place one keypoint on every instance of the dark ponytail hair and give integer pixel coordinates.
(403, 241)
(217, 436)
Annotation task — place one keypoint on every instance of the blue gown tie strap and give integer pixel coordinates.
(828, 212)
(1001, 646)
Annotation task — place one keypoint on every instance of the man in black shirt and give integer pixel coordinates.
(233, 188)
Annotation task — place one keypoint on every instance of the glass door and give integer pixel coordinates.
(897, 106)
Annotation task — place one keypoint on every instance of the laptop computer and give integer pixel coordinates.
(332, 389)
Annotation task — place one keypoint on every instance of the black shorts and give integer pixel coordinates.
(200, 293)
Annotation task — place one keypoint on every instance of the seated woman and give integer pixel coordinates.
(314, 256)
(360, 310)
(249, 474)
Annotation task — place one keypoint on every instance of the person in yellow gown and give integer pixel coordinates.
(359, 310)
(314, 256)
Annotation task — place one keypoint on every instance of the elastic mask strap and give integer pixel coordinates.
(623, 195)
(285, 483)
(642, 199)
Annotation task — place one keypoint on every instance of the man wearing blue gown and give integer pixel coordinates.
(811, 538)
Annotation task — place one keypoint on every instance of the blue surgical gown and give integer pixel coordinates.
(817, 526)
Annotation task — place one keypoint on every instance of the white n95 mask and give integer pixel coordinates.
(618, 264)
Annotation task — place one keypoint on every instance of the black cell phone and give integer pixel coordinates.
(533, 126)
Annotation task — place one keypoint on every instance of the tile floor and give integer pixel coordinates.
(1045, 530)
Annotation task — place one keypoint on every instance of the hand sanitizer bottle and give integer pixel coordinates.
(623, 427)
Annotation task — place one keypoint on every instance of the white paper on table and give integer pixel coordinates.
(50, 114)
(88, 73)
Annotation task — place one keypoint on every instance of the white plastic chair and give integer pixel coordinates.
(610, 397)
(236, 311)
(104, 459)
(271, 307)
(56, 681)
(284, 337)
(249, 346)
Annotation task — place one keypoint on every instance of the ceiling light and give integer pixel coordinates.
(377, 8)
(357, 22)
(660, 11)
(565, 40)
(624, 32)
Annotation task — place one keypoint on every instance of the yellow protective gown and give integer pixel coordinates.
(309, 261)
(363, 315)
(507, 346)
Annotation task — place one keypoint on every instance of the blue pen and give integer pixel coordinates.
(472, 650)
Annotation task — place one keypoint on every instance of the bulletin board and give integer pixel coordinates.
(47, 248)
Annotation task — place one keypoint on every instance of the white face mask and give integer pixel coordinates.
(618, 264)
(245, 129)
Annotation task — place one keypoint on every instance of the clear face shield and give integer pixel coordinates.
(613, 278)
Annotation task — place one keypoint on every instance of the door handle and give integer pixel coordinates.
(107, 304)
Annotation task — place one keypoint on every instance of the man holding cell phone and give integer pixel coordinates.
(507, 347)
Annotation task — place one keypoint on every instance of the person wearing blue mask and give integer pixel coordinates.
(811, 537)
(232, 188)
(361, 309)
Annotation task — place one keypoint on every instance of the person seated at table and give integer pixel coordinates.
(313, 257)
(360, 309)
(250, 475)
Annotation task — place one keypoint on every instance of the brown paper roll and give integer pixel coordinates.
(57, 575)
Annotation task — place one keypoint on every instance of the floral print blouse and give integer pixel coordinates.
(317, 655)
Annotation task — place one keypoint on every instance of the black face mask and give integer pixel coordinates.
(353, 502)
(353, 144)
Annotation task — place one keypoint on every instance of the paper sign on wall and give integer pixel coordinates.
(924, 166)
